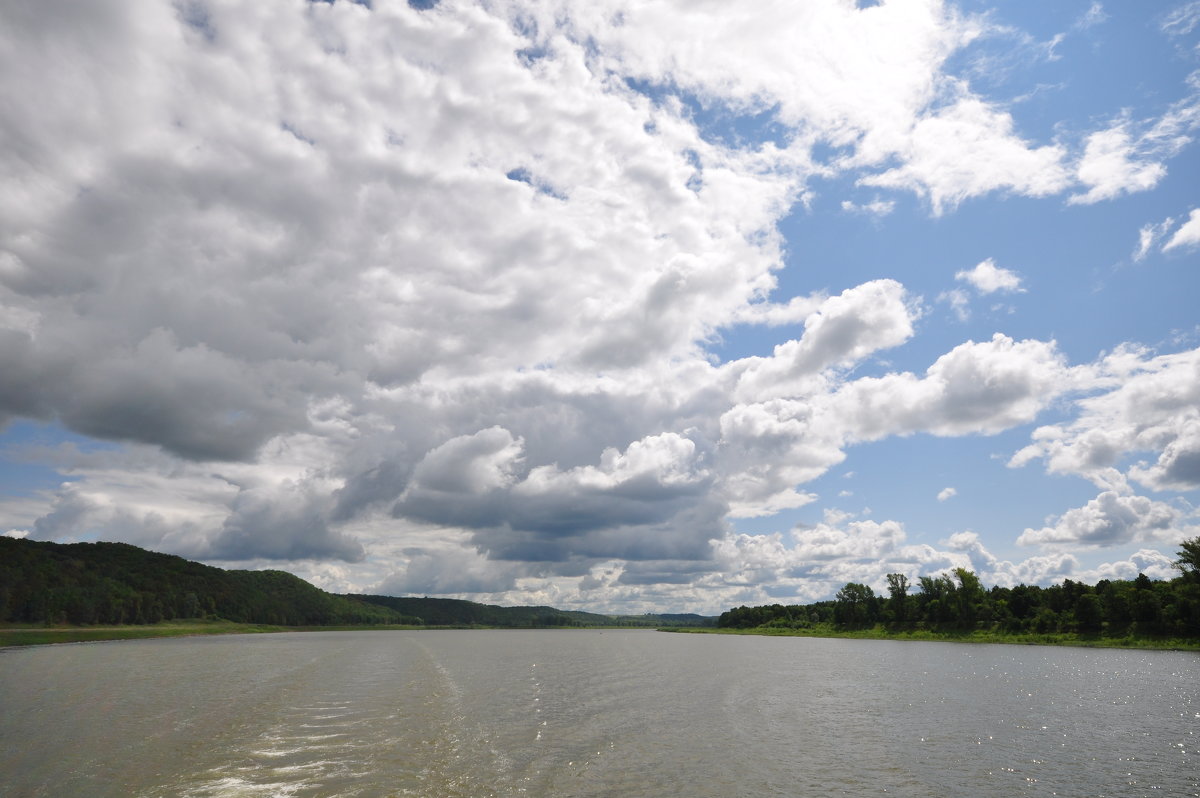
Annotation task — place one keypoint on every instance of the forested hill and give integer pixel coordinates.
(116, 583)
(456, 612)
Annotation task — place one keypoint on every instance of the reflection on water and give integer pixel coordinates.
(593, 713)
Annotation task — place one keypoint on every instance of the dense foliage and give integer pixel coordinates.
(115, 583)
(958, 602)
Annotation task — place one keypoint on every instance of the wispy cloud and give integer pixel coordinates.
(1182, 20)
(959, 302)
(1095, 15)
(1128, 157)
(877, 207)
(1149, 235)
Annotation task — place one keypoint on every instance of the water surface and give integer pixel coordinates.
(593, 713)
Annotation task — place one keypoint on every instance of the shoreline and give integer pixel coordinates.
(1060, 639)
(21, 636)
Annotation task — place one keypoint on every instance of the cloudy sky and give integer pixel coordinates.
(624, 305)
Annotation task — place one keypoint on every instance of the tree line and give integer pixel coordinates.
(957, 602)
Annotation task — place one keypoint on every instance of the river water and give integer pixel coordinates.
(593, 713)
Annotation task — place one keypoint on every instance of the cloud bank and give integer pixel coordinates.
(427, 299)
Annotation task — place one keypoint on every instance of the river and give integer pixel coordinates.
(593, 713)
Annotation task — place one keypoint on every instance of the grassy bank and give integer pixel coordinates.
(29, 635)
(879, 633)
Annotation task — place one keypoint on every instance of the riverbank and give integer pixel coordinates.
(45, 635)
(34, 635)
(1031, 639)
(31, 635)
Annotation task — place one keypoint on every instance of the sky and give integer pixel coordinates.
(621, 306)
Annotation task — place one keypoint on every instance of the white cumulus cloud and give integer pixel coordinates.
(1113, 164)
(1108, 520)
(988, 278)
(1188, 234)
(1146, 405)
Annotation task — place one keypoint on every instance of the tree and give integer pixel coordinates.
(1023, 602)
(969, 598)
(898, 590)
(1089, 613)
(1189, 559)
(1146, 606)
(855, 605)
(936, 599)
(1045, 621)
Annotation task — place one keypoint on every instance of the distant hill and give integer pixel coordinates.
(456, 612)
(116, 583)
